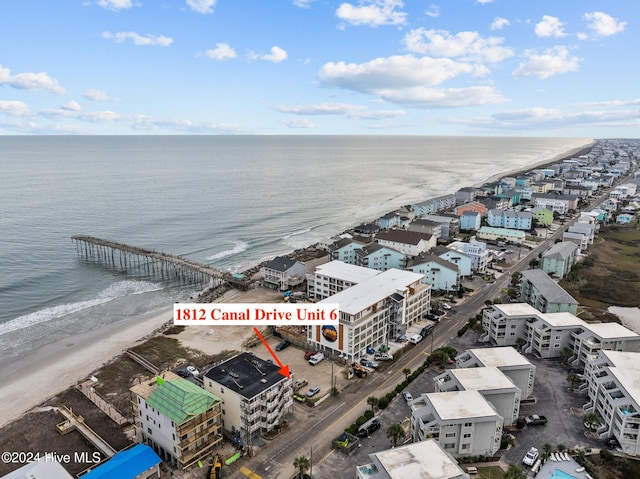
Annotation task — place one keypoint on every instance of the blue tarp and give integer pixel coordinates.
(126, 464)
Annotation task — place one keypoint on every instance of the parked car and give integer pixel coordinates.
(370, 350)
(183, 373)
(282, 345)
(426, 331)
(316, 358)
(313, 391)
(415, 339)
(369, 364)
(530, 457)
(407, 397)
(535, 420)
(193, 370)
(446, 306)
(383, 357)
(300, 383)
(308, 355)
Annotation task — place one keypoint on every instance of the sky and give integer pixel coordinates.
(560, 68)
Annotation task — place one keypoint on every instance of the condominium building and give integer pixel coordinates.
(179, 420)
(255, 395)
(373, 312)
(614, 395)
(492, 383)
(547, 334)
(476, 251)
(335, 276)
(513, 364)
(539, 290)
(559, 259)
(464, 423)
(422, 460)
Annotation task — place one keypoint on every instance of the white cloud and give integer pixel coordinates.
(550, 27)
(422, 97)
(392, 72)
(552, 61)
(343, 109)
(484, 1)
(222, 51)
(202, 6)
(141, 40)
(433, 11)
(298, 123)
(373, 13)
(72, 106)
(602, 24)
(97, 95)
(30, 81)
(554, 117)
(302, 3)
(499, 22)
(611, 103)
(115, 4)
(92, 116)
(276, 56)
(469, 46)
(14, 108)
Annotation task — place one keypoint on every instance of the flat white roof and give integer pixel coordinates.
(460, 405)
(517, 309)
(563, 320)
(610, 330)
(346, 272)
(500, 357)
(422, 460)
(482, 379)
(626, 369)
(375, 289)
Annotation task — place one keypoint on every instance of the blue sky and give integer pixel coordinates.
(449, 67)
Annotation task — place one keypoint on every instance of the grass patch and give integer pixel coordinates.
(609, 276)
(491, 472)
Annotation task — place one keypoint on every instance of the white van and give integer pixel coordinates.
(415, 339)
(316, 358)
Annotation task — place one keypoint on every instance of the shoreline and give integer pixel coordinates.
(60, 365)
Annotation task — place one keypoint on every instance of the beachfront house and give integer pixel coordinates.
(372, 313)
(539, 290)
(461, 260)
(518, 220)
(366, 230)
(256, 396)
(465, 195)
(179, 420)
(421, 460)
(611, 383)
(559, 259)
(560, 203)
(434, 228)
(344, 250)
(464, 423)
(493, 384)
(449, 225)
(513, 364)
(379, 257)
(439, 273)
(542, 216)
(335, 276)
(283, 273)
(410, 243)
(434, 205)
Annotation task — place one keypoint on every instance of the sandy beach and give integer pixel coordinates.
(57, 366)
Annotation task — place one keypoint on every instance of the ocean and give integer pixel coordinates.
(227, 201)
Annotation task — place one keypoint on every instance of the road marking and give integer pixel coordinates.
(249, 473)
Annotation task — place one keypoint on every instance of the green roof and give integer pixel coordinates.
(181, 400)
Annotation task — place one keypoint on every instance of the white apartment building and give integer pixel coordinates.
(464, 423)
(255, 395)
(506, 359)
(492, 383)
(422, 460)
(335, 276)
(476, 250)
(614, 395)
(179, 420)
(373, 312)
(547, 334)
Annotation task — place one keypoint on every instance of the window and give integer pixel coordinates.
(149, 431)
(465, 446)
(450, 434)
(466, 436)
(468, 424)
(449, 446)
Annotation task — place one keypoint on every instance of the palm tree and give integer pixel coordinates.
(590, 419)
(406, 372)
(565, 354)
(395, 433)
(302, 463)
(373, 402)
(573, 380)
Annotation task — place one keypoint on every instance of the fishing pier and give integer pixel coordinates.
(153, 262)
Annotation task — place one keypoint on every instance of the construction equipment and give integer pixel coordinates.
(359, 371)
(216, 466)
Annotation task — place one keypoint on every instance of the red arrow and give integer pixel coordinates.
(284, 370)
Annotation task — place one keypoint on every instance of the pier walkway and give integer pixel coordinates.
(127, 256)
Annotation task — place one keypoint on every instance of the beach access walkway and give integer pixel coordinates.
(128, 257)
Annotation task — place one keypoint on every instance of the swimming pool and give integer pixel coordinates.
(558, 474)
